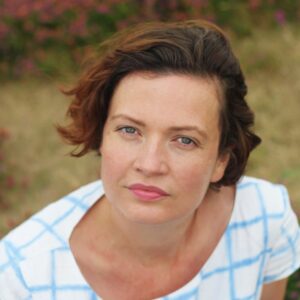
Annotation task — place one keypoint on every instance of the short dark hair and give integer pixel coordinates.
(195, 48)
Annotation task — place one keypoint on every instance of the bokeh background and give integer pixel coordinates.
(45, 44)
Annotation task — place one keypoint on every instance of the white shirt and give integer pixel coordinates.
(261, 244)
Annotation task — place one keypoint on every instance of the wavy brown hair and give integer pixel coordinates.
(195, 48)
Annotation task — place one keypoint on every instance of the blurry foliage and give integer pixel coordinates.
(42, 35)
(47, 36)
(4, 177)
(293, 288)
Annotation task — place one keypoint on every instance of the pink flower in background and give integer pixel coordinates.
(103, 8)
(180, 16)
(37, 6)
(254, 4)
(89, 4)
(4, 30)
(27, 65)
(115, 1)
(45, 34)
(196, 3)
(280, 17)
(44, 24)
(294, 295)
(45, 16)
(172, 4)
(78, 26)
(22, 11)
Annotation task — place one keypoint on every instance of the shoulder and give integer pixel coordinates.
(264, 213)
(263, 197)
(49, 228)
(36, 240)
(263, 208)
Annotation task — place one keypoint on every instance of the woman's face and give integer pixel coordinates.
(160, 146)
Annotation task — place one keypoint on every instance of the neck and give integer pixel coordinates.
(151, 243)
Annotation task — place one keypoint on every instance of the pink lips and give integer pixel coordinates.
(147, 192)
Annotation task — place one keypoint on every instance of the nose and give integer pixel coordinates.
(151, 159)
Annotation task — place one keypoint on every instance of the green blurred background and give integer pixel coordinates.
(43, 47)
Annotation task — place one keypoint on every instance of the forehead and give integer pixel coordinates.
(165, 101)
(184, 83)
(176, 91)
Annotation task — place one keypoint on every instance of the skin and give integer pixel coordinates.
(165, 137)
(275, 290)
(144, 144)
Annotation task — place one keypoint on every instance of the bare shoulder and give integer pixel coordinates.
(275, 290)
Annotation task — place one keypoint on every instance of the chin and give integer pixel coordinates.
(150, 215)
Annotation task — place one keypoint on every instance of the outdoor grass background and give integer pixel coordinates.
(43, 172)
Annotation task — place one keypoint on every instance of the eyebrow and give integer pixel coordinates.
(126, 117)
(172, 129)
(189, 128)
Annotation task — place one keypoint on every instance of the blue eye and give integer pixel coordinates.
(127, 130)
(186, 141)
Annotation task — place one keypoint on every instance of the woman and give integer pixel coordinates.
(172, 218)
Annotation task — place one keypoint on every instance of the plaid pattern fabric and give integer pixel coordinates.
(261, 244)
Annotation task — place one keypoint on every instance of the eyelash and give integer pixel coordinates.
(126, 131)
(191, 142)
(124, 128)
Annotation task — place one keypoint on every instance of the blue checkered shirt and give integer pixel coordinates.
(261, 244)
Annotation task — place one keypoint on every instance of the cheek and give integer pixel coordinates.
(110, 162)
(188, 179)
(194, 176)
(191, 188)
(193, 179)
(115, 159)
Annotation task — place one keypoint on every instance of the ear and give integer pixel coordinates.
(220, 167)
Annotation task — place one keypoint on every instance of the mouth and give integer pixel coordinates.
(147, 192)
